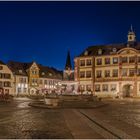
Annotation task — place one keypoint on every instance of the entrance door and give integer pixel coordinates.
(127, 90)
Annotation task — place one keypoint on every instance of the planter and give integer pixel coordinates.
(51, 101)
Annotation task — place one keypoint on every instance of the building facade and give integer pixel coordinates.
(110, 70)
(6, 79)
(32, 78)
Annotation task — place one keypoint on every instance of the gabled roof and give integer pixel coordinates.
(49, 72)
(45, 72)
(108, 49)
(18, 68)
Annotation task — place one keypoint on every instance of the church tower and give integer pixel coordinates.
(68, 62)
(68, 73)
(131, 37)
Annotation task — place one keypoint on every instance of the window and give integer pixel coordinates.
(124, 60)
(82, 74)
(0, 75)
(25, 90)
(82, 62)
(99, 61)
(34, 72)
(107, 60)
(105, 87)
(124, 72)
(1, 85)
(7, 84)
(43, 73)
(1, 67)
(131, 72)
(86, 52)
(45, 82)
(113, 87)
(139, 59)
(97, 88)
(131, 59)
(21, 80)
(20, 71)
(99, 74)
(82, 88)
(88, 62)
(115, 60)
(24, 80)
(115, 73)
(100, 51)
(114, 50)
(6, 76)
(107, 73)
(138, 72)
(88, 74)
(88, 87)
(19, 90)
(6, 91)
(34, 81)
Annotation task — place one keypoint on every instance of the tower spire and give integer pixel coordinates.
(68, 65)
(131, 28)
(131, 37)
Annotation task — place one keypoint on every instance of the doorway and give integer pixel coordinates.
(127, 90)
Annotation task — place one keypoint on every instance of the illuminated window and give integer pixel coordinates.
(113, 87)
(124, 59)
(88, 62)
(88, 87)
(34, 72)
(43, 73)
(82, 74)
(138, 72)
(107, 60)
(100, 51)
(25, 90)
(131, 72)
(88, 74)
(107, 73)
(98, 73)
(115, 60)
(82, 62)
(97, 88)
(105, 87)
(131, 59)
(7, 84)
(115, 73)
(124, 72)
(99, 61)
(82, 88)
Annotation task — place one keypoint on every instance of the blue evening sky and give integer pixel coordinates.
(44, 31)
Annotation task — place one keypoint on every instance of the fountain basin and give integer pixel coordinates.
(51, 101)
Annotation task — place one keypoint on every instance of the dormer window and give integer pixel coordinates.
(20, 71)
(50, 74)
(114, 50)
(100, 51)
(86, 53)
(43, 73)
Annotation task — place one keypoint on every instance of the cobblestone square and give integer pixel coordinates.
(118, 119)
